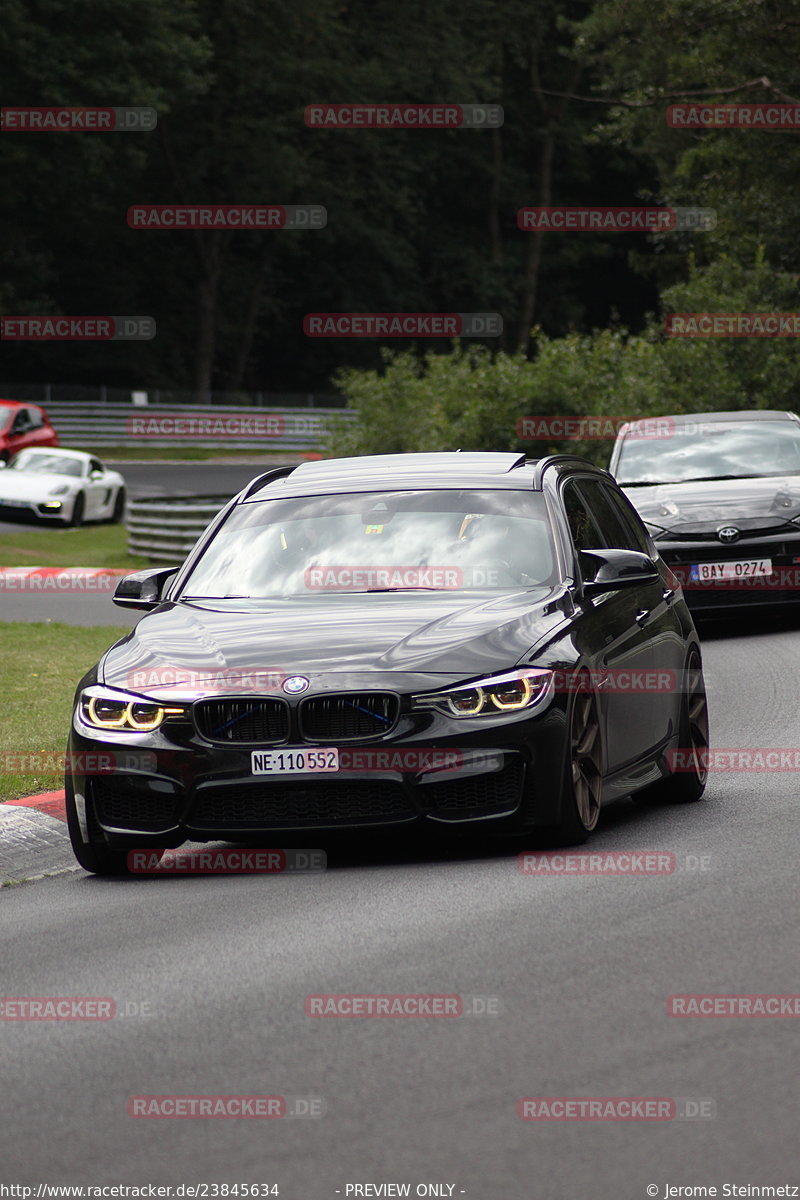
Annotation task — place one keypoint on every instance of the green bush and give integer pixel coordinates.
(473, 398)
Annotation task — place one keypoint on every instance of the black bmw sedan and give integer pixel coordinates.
(720, 494)
(431, 639)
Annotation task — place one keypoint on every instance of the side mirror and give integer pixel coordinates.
(95, 474)
(143, 589)
(614, 569)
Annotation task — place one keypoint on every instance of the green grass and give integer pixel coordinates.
(88, 546)
(42, 664)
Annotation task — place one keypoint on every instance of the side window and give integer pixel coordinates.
(36, 420)
(584, 530)
(630, 521)
(95, 465)
(20, 421)
(615, 533)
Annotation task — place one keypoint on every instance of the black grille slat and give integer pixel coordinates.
(241, 721)
(348, 716)
(324, 802)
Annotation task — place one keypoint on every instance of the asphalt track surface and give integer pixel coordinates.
(582, 967)
(142, 479)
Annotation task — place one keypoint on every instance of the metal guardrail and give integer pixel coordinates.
(101, 393)
(265, 430)
(164, 529)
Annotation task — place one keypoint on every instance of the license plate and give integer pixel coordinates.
(722, 572)
(293, 761)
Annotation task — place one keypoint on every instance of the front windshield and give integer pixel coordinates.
(711, 450)
(5, 417)
(378, 541)
(46, 464)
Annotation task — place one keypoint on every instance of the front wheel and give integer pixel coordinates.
(78, 509)
(94, 855)
(583, 784)
(688, 783)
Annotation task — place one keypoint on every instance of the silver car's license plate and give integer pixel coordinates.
(723, 572)
(293, 760)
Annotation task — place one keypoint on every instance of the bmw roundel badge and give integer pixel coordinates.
(295, 684)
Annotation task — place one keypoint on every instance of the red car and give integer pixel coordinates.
(23, 425)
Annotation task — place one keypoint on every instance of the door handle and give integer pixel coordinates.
(641, 617)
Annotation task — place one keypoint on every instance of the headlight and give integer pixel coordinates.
(61, 490)
(512, 692)
(106, 709)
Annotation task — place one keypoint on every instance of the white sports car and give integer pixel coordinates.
(64, 485)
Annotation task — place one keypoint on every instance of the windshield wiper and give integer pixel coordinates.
(691, 479)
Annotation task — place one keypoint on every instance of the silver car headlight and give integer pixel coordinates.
(113, 711)
(512, 692)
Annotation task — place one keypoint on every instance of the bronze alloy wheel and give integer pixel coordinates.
(586, 759)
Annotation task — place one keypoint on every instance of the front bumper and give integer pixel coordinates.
(37, 508)
(163, 791)
(782, 587)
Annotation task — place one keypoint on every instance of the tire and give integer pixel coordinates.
(686, 787)
(119, 507)
(95, 855)
(76, 520)
(583, 769)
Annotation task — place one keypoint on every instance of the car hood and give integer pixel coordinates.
(178, 646)
(694, 506)
(20, 485)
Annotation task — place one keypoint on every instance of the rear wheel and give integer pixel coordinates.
(688, 783)
(119, 507)
(583, 785)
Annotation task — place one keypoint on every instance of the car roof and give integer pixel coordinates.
(18, 404)
(401, 472)
(60, 452)
(742, 414)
